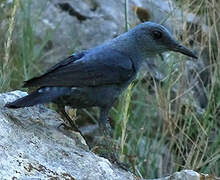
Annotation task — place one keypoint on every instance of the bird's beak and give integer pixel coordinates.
(182, 49)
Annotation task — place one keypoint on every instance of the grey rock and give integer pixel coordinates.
(183, 175)
(33, 147)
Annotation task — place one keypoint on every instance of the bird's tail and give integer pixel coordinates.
(41, 96)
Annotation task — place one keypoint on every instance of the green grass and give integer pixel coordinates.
(153, 137)
(24, 58)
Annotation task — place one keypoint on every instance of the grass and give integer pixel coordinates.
(157, 133)
(21, 55)
(156, 129)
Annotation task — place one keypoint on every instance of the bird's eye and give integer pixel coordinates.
(157, 34)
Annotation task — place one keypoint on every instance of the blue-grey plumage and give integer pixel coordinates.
(96, 77)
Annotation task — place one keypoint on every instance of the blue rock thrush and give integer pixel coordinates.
(96, 77)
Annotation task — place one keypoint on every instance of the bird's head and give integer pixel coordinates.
(154, 38)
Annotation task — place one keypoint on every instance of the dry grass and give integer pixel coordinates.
(10, 31)
(192, 138)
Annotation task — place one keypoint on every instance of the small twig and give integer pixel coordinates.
(126, 15)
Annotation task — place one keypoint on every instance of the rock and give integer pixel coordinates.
(32, 146)
(186, 175)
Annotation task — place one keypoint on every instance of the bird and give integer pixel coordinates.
(96, 77)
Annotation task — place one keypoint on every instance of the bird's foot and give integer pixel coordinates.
(115, 160)
(75, 129)
(106, 147)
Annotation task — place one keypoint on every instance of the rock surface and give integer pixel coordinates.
(32, 146)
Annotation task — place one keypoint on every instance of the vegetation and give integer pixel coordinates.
(156, 132)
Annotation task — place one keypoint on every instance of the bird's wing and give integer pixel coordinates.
(66, 61)
(93, 69)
